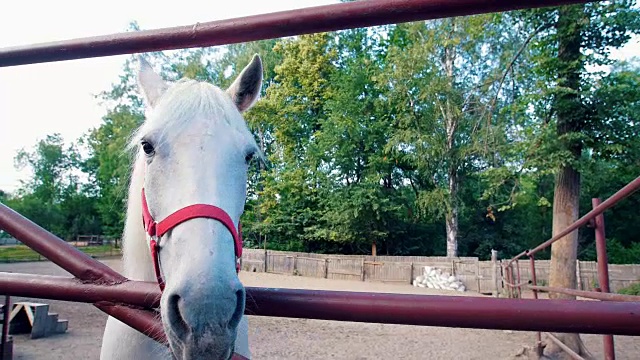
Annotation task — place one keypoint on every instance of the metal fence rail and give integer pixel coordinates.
(596, 220)
(79, 265)
(263, 26)
(426, 310)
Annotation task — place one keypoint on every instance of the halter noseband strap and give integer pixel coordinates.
(157, 229)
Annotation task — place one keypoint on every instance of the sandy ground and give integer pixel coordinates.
(282, 338)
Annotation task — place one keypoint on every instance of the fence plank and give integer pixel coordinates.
(482, 276)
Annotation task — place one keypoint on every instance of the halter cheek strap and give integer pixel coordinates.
(156, 229)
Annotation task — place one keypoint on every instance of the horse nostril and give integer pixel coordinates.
(176, 318)
(239, 311)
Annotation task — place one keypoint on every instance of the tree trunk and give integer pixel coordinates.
(451, 127)
(566, 198)
(564, 253)
(261, 189)
(452, 216)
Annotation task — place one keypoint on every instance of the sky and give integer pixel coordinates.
(41, 99)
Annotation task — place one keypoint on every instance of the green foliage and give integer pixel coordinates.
(53, 197)
(110, 165)
(633, 289)
(617, 253)
(392, 136)
(51, 165)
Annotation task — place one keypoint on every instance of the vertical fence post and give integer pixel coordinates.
(579, 277)
(295, 264)
(518, 280)
(478, 275)
(494, 272)
(603, 273)
(326, 268)
(534, 281)
(506, 281)
(509, 275)
(265, 260)
(411, 274)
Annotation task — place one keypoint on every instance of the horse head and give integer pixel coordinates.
(196, 147)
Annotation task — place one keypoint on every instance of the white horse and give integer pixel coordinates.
(193, 148)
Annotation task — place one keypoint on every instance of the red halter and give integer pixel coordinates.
(157, 229)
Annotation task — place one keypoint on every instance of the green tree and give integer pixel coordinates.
(53, 196)
(110, 164)
(443, 84)
(575, 37)
(421, 138)
(52, 167)
(294, 99)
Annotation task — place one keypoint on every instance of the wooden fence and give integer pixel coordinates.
(476, 275)
(620, 276)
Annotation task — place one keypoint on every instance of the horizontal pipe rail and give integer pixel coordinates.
(264, 26)
(136, 293)
(588, 317)
(568, 316)
(587, 294)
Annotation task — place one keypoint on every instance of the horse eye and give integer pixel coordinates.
(249, 157)
(148, 148)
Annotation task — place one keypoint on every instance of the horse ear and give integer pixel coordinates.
(150, 84)
(245, 89)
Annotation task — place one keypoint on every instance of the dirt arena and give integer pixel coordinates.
(281, 338)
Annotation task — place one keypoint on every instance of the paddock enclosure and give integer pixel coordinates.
(133, 302)
(290, 339)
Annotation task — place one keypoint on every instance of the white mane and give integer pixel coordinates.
(184, 101)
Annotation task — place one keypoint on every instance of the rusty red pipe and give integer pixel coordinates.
(596, 295)
(136, 293)
(620, 318)
(534, 281)
(448, 311)
(519, 281)
(601, 250)
(264, 26)
(114, 300)
(74, 261)
(55, 249)
(603, 273)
